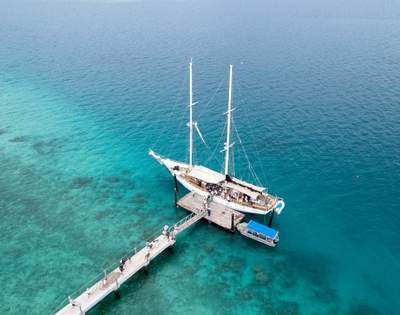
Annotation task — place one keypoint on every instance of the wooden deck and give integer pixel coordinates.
(217, 214)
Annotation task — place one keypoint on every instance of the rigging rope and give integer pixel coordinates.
(216, 147)
(171, 113)
(201, 113)
(177, 133)
(252, 171)
(253, 138)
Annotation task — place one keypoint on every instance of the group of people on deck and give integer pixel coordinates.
(214, 189)
(227, 193)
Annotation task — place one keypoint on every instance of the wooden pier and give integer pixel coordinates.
(199, 207)
(112, 281)
(216, 213)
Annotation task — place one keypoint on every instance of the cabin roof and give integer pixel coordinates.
(206, 175)
(260, 228)
(251, 186)
(244, 190)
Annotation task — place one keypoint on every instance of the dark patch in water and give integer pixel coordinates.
(129, 184)
(208, 248)
(189, 270)
(324, 294)
(125, 172)
(44, 147)
(288, 270)
(80, 182)
(288, 282)
(27, 171)
(375, 287)
(260, 274)
(315, 268)
(243, 294)
(113, 179)
(363, 309)
(279, 307)
(19, 139)
(138, 199)
(286, 308)
(233, 264)
(103, 214)
(2, 131)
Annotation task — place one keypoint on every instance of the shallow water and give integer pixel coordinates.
(87, 88)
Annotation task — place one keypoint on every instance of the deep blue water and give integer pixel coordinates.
(86, 88)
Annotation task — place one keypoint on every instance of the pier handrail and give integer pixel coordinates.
(114, 264)
(111, 265)
(183, 221)
(118, 272)
(193, 216)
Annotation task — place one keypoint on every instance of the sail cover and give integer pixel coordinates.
(206, 175)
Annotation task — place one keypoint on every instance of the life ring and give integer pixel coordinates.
(279, 205)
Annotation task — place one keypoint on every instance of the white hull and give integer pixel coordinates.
(219, 200)
(170, 165)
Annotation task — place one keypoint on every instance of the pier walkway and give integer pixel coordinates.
(112, 281)
(199, 206)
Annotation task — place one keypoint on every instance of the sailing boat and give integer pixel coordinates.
(222, 188)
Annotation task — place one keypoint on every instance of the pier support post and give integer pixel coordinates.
(232, 222)
(175, 191)
(271, 218)
(117, 294)
(146, 268)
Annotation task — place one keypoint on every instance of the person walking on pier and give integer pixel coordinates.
(122, 264)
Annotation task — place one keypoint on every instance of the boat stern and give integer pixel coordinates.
(279, 205)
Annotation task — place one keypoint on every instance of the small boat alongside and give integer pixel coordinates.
(259, 232)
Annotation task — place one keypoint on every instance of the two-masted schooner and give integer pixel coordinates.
(222, 188)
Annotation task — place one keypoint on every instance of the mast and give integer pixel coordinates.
(190, 116)
(228, 126)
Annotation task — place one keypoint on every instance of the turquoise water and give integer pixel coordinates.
(87, 88)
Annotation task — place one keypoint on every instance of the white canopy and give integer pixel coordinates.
(251, 186)
(244, 190)
(206, 175)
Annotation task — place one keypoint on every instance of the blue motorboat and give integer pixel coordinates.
(259, 232)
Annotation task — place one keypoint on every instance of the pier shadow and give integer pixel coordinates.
(362, 309)
(46, 147)
(19, 139)
(138, 199)
(113, 179)
(269, 306)
(123, 182)
(81, 182)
